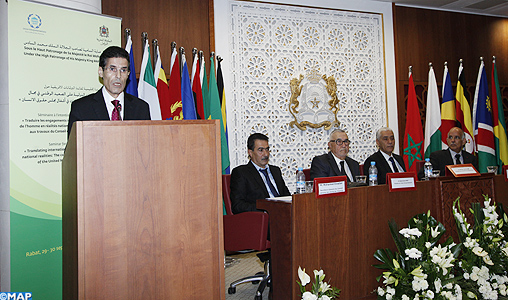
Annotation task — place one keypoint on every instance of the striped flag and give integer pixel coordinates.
(448, 120)
(132, 83)
(216, 114)
(482, 123)
(188, 107)
(175, 91)
(196, 88)
(413, 135)
(204, 89)
(162, 86)
(433, 117)
(500, 138)
(463, 110)
(222, 94)
(146, 87)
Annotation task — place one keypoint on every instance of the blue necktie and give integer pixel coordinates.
(394, 165)
(270, 185)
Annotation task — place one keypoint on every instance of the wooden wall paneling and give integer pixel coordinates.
(185, 22)
(424, 36)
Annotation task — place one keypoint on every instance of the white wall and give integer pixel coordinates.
(93, 6)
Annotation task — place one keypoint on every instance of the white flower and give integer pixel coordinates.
(405, 297)
(309, 296)
(304, 278)
(325, 297)
(410, 232)
(466, 276)
(434, 231)
(390, 290)
(389, 296)
(479, 251)
(319, 274)
(487, 260)
(428, 245)
(323, 287)
(380, 291)
(429, 294)
(413, 253)
(471, 295)
(437, 284)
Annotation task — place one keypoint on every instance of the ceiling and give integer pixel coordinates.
(482, 7)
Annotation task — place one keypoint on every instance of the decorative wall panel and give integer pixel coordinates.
(272, 44)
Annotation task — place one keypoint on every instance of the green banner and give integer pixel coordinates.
(53, 60)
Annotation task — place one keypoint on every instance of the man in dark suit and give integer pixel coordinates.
(336, 162)
(454, 155)
(110, 102)
(256, 179)
(386, 160)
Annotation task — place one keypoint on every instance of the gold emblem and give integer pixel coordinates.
(314, 101)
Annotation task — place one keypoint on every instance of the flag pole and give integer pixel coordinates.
(127, 33)
(155, 45)
(182, 53)
(212, 56)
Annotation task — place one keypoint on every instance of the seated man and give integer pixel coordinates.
(454, 155)
(335, 162)
(386, 161)
(256, 179)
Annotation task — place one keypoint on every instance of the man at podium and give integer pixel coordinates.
(256, 179)
(110, 102)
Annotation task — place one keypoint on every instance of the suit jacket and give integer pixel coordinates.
(93, 108)
(326, 166)
(382, 165)
(442, 158)
(247, 186)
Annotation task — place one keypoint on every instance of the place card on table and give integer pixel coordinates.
(463, 170)
(330, 186)
(505, 172)
(404, 181)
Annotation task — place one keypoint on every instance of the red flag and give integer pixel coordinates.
(175, 90)
(413, 136)
(196, 88)
(162, 87)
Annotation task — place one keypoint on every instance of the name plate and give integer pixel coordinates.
(464, 170)
(330, 186)
(505, 172)
(398, 182)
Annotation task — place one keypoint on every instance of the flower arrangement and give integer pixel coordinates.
(484, 257)
(422, 268)
(320, 289)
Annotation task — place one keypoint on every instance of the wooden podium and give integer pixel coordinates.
(142, 211)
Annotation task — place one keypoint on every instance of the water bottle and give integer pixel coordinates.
(372, 173)
(427, 169)
(300, 181)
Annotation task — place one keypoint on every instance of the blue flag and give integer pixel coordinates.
(188, 107)
(132, 84)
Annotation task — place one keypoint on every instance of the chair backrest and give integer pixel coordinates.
(307, 174)
(226, 193)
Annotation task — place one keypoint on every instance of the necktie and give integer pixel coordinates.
(270, 185)
(457, 159)
(343, 170)
(115, 115)
(394, 165)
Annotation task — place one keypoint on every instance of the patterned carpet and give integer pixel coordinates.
(243, 265)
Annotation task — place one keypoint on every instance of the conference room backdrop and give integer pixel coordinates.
(53, 58)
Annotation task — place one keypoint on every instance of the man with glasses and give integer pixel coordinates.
(454, 155)
(386, 160)
(336, 162)
(256, 179)
(110, 102)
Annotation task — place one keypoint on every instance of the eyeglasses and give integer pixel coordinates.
(261, 149)
(114, 69)
(339, 142)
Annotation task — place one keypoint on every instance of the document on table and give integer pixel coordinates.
(282, 198)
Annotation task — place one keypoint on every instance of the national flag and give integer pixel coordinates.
(196, 88)
(433, 117)
(482, 123)
(204, 89)
(413, 135)
(463, 110)
(162, 87)
(175, 91)
(500, 138)
(132, 83)
(216, 114)
(222, 95)
(448, 120)
(188, 107)
(146, 87)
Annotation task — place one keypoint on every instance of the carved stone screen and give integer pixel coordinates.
(271, 44)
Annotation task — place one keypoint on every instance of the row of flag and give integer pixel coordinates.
(183, 96)
(483, 124)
